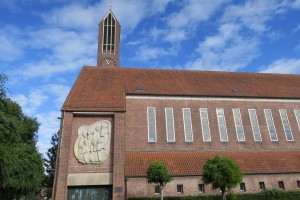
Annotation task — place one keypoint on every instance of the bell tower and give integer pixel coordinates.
(109, 41)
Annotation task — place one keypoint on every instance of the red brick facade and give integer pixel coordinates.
(121, 96)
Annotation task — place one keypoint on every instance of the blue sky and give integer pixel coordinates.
(45, 43)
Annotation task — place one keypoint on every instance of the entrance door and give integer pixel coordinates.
(90, 193)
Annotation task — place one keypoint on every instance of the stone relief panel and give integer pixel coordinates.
(93, 142)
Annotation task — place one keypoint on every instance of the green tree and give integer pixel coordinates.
(223, 173)
(158, 174)
(21, 165)
(3, 78)
(50, 164)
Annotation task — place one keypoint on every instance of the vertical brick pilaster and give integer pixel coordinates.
(119, 157)
(62, 169)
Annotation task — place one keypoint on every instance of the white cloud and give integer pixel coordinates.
(254, 14)
(49, 124)
(59, 51)
(11, 47)
(283, 66)
(297, 28)
(75, 16)
(193, 12)
(225, 51)
(32, 102)
(296, 4)
(59, 92)
(146, 53)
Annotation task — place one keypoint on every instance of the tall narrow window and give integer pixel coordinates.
(262, 185)
(170, 129)
(243, 187)
(271, 125)
(109, 34)
(157, 190)
(179, 189)
(187, 122)
(205, 125)
(238, 124)
(286, 125)
(151, 124)
(222, 125)
(281, 185)
(254, 125)
(201, 188)
(297, 114)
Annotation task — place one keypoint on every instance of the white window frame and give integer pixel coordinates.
(243, 187)
(225, 127)
(203, 132)
(287, 119)
(180, 187)
(252, 125)
(201, 188)
(184, 124)
(297, 118)
(268, 125)
(235, 124)
(149, 125)
(167, 125)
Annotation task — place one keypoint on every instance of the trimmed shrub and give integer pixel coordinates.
(264, 195)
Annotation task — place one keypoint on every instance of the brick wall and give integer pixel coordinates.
(137, 131)
(139, 186)
(68, 162)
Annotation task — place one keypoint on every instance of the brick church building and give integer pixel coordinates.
(116, 121)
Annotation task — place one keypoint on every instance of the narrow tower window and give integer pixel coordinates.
(151, 124)
(254, 125)
(286, 125)
(187, 122)
(222, 125)
(109, 34)
(205, 125)
(170, 125)
(297, 114)
(238, 124)
(271, 125)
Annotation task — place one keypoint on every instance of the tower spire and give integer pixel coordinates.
(110, 4)
(109, 41)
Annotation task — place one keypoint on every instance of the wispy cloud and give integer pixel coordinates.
(10, 48)
(228, 50)
(193, 12)
(283, 66)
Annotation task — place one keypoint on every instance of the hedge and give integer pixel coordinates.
(264, 195)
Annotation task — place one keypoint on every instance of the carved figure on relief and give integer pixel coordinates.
(93, 142)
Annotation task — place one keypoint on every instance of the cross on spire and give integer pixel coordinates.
(110, 4)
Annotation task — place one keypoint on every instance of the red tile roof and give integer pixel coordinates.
(104, 88)
(191, 163)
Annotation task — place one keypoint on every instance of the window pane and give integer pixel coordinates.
(281, 185)
(201, 188)
(262, 185)
(180, 189)
(109, 34)
(286, 125)
(238, 124)
(187, 122)
(271, 125)
(297, 114)
(170, 125)
(254, 125)
(222, 125)
(205, 125)
(151, 124)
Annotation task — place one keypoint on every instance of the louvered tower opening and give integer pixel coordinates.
(109, 34)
